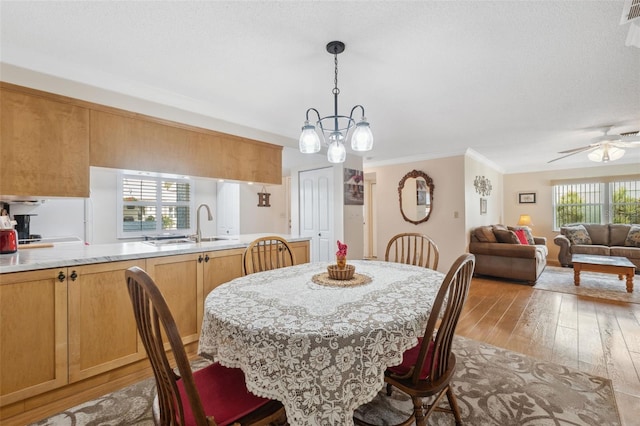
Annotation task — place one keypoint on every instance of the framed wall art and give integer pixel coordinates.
(353, 187)
(483, 206)
(527, 198)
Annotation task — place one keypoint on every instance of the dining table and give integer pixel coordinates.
(318, 345)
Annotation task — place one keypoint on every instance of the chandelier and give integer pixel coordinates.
(336, 126)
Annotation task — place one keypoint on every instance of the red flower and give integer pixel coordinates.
(342, 249)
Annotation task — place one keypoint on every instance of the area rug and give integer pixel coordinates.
(592, 284)
(494, 387)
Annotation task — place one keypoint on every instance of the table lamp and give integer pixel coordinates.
(525, 220)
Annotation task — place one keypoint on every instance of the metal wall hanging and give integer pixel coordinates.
(483, 185)
(263, 198)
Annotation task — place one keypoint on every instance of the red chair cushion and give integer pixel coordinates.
(223, 393)
(409, 359)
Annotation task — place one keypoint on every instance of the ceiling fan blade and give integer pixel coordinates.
(575, 151)
(625, 144)
(582, 148)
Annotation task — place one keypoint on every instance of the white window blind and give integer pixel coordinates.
(597, 202)
(153, 205)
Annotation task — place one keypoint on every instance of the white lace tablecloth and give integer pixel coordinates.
(320, 350)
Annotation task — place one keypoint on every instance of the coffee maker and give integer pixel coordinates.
(23, 224)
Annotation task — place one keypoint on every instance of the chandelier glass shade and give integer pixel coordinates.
(337, 127)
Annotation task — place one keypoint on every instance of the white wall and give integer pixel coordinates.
(476, 166)
(448, 197)
(56, 217)
(254, 219)
(541, 183)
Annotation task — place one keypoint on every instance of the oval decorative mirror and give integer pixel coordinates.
(415, 192)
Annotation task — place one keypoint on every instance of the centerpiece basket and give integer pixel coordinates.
(337, 273)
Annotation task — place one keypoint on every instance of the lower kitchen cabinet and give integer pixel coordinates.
(300, 251)
(180, 279)
(220, 267)
(102, 328)
(33, 333)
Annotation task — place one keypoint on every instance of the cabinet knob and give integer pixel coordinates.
(73, 275)
(206, 257)
(200, 259)
(61, 276)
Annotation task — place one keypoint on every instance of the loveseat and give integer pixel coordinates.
(604, 240)
(508, 252)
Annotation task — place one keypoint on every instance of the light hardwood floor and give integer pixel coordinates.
(597, 336)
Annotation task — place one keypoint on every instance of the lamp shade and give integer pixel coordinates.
(336, 152)
(525, 220)
(309, 140)
(362, 138)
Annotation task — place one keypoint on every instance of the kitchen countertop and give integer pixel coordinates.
(77, 253)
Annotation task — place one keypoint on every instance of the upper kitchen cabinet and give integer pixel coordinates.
(44, 144)
(132, 141)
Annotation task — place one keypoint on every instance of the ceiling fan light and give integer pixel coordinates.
(362, 138)
(309, 140)
(606, 154)
(615, 153)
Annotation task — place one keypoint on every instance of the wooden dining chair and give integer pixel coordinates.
(413, 249)
(267, 253)
(427, 369)
(213, 395)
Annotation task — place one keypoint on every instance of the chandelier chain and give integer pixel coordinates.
(335, 78)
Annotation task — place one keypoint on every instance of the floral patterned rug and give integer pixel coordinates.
(592, 284)
(494, 386)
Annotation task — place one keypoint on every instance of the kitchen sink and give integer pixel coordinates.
(167, 242)
(209, 239)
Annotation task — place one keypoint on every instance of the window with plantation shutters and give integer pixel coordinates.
(151, 205)
(609, 201)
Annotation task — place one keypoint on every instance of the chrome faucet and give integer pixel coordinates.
(209, 217)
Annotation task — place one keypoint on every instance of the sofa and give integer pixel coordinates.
(508, 252)
(611, 239)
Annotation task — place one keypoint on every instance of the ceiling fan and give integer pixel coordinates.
(608, 147)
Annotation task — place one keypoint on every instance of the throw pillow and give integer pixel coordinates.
(522, 237)
(485, 234)
(633, 237)
(527, 233)
(506, 236)
(577, 234)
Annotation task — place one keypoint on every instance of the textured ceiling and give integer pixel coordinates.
(515, 81)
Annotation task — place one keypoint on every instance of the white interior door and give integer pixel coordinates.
(228, 209)
(316, 212)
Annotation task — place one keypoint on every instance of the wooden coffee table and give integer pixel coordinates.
(606, 264)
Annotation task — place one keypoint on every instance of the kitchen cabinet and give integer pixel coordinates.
(300, 251)
(102, 328)
(44, 145)
(220, 267)
(124, 140)
(33, 333)
(180, 279)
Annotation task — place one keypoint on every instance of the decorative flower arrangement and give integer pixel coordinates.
(341, 255)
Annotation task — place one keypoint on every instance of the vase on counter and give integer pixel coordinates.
(341, 261)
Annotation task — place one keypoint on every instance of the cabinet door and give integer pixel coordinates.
(44, 146)
(179, 278)
(33, 333)
(222, 266)
(300, 251)
(102, 328)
